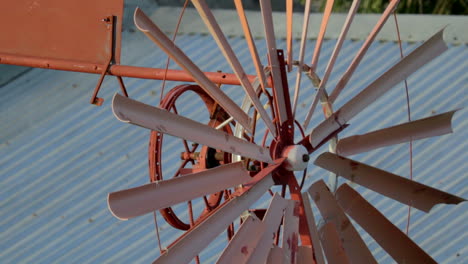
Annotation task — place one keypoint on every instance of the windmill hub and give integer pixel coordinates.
(297, 157)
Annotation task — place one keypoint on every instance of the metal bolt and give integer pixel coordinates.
(305, 158)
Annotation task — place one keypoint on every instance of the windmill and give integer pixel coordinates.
(230, 164)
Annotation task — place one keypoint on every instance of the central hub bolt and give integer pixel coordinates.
(297, 157)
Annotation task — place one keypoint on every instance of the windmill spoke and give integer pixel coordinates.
(406, 191)
(354, 64)
(280, 98)
(423, 128)
(134, 112)
(305, 26)
(336, 51)
(387, 235)
(321, 35)
(145, 25)
(251, 44)
(400, 71)
(229, 54)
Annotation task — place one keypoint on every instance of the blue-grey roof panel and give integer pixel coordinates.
(60, 156)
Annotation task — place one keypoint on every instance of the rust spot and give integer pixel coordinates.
(233, 149)
(345, 224)
(245, 250)
(226, 137)
(354, 165)
(297, 210)
(294, 247)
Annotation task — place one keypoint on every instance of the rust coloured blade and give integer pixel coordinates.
(244, 241)
(313, 229)
(331, 62)
(280, 97)
(144, 24)
(147, 116)
(290, 241)
(150, 197)
(399, 72)
(353, 245)
(321, 35)
(305, 26)
(398, 188)
(332, 245)
(289, 29)
(423, 128)
(354, 64)
(192, 242)
(251, 43)
(210, 21)
(388, 236)
(271, 221)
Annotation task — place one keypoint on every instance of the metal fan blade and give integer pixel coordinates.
(280, 98)
(276, 256)
(150, 197)
(353, 244)
(305, 26)
(400, 71)
(192, 242)
(290, 242)
(251, 43)
(323, 29)
(244, 241)
(271, 220)
(354, 64)
(289, 29)
(210, 21)
(137, 113)
(388, 236)
(305, 255)
(414, 130)
(398, 188)
(331, 63)
(145, 25)
(313, 229)
(332, 245)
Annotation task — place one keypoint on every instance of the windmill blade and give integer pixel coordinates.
(276, 256)
(251, 43)
(313, 229)
(423, 128)
(305, 255)
(353, 245)
(154, 118)
(388, 236)
(331, 63)
(192, 242)
(150, 197)
(398, 188)
(244, 241)
(290, 241)
(332, 245)
(321, 35)
(354, 64)
(305, 26)
(289, 29)
(271, 220)
(210, 21)
(145, 25)
(400, 71)
(280, 98)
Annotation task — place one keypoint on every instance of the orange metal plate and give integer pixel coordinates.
(57, 29)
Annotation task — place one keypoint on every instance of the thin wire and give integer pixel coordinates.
(409, 119)
(173, 40)
(157, 232)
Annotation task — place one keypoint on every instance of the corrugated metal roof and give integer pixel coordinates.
(60, 156)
